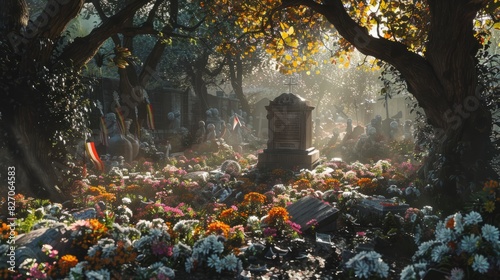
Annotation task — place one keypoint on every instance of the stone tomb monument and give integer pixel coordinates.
(290, 134)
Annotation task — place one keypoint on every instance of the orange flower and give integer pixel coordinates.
(277, 215)
(96, 190)
(367, 186)
(302, 184)
(491, 186)
(330, 184)
(227, 214)
(5, 231)
(66, 262)
(254, 198)
(96, 226)
(218, 228)
(450, 223)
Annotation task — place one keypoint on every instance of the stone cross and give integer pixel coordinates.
(290, 84)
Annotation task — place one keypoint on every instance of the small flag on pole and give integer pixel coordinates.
(151, 120)
(104, 132)
(236, 121)
(121, 120)
(94, 156)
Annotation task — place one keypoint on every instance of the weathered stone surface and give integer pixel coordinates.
(372, 210)
(308, 208)
(197, 176)
(29, 245)
(290, 134)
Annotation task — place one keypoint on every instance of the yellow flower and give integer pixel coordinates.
(66, 262)
(489, 206)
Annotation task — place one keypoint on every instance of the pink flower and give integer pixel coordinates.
(53, 254)
(46, 248)
(360, 233)
(79, 224)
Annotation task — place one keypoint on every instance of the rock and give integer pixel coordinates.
(197, 176)
(29, 245)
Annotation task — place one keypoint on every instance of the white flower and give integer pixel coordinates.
(185, 225)
(76, 272)
(92, 250)
(381, 268)
(472, 218)
(424, 247)
(143, 225)
(218, 247)
(231, 262)
(126, 200)
(253, 222)
(108, 250)
(102, 274)
(469, 243)
(427, 210)
(421, 268)
(213, 261)
(189, 264)
(144, 241)
(346, 194)
(158, 222)
(456, 274)
(490, 233)
(480, 264)
(439, 251)
(408, 273)
(361, 270)
(459, 226)
(156, 233)
(444, 234)
(159, 269)
(372, 256)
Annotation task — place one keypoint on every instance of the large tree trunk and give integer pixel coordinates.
(444, 82)
(236, 74)
(30, 59)
(28, 145)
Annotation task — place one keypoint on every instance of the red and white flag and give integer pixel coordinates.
(236, 121)
(94, 156)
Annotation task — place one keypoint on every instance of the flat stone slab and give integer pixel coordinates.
(374, 206)
(197, 176)
(308, 208)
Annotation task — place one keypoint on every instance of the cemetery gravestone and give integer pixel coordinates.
(310, 208)
(290, 134)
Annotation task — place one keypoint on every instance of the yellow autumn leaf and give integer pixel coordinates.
(496, 25)
(294, 43)
(291, 30)
(288, 57)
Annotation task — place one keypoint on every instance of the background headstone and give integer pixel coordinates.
(290, 134)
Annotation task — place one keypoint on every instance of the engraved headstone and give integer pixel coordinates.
(309, 208)
(290, 134)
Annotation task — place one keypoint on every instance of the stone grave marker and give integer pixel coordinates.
(374, 208)
(29, 245)
(308, 208)
(289, 144)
